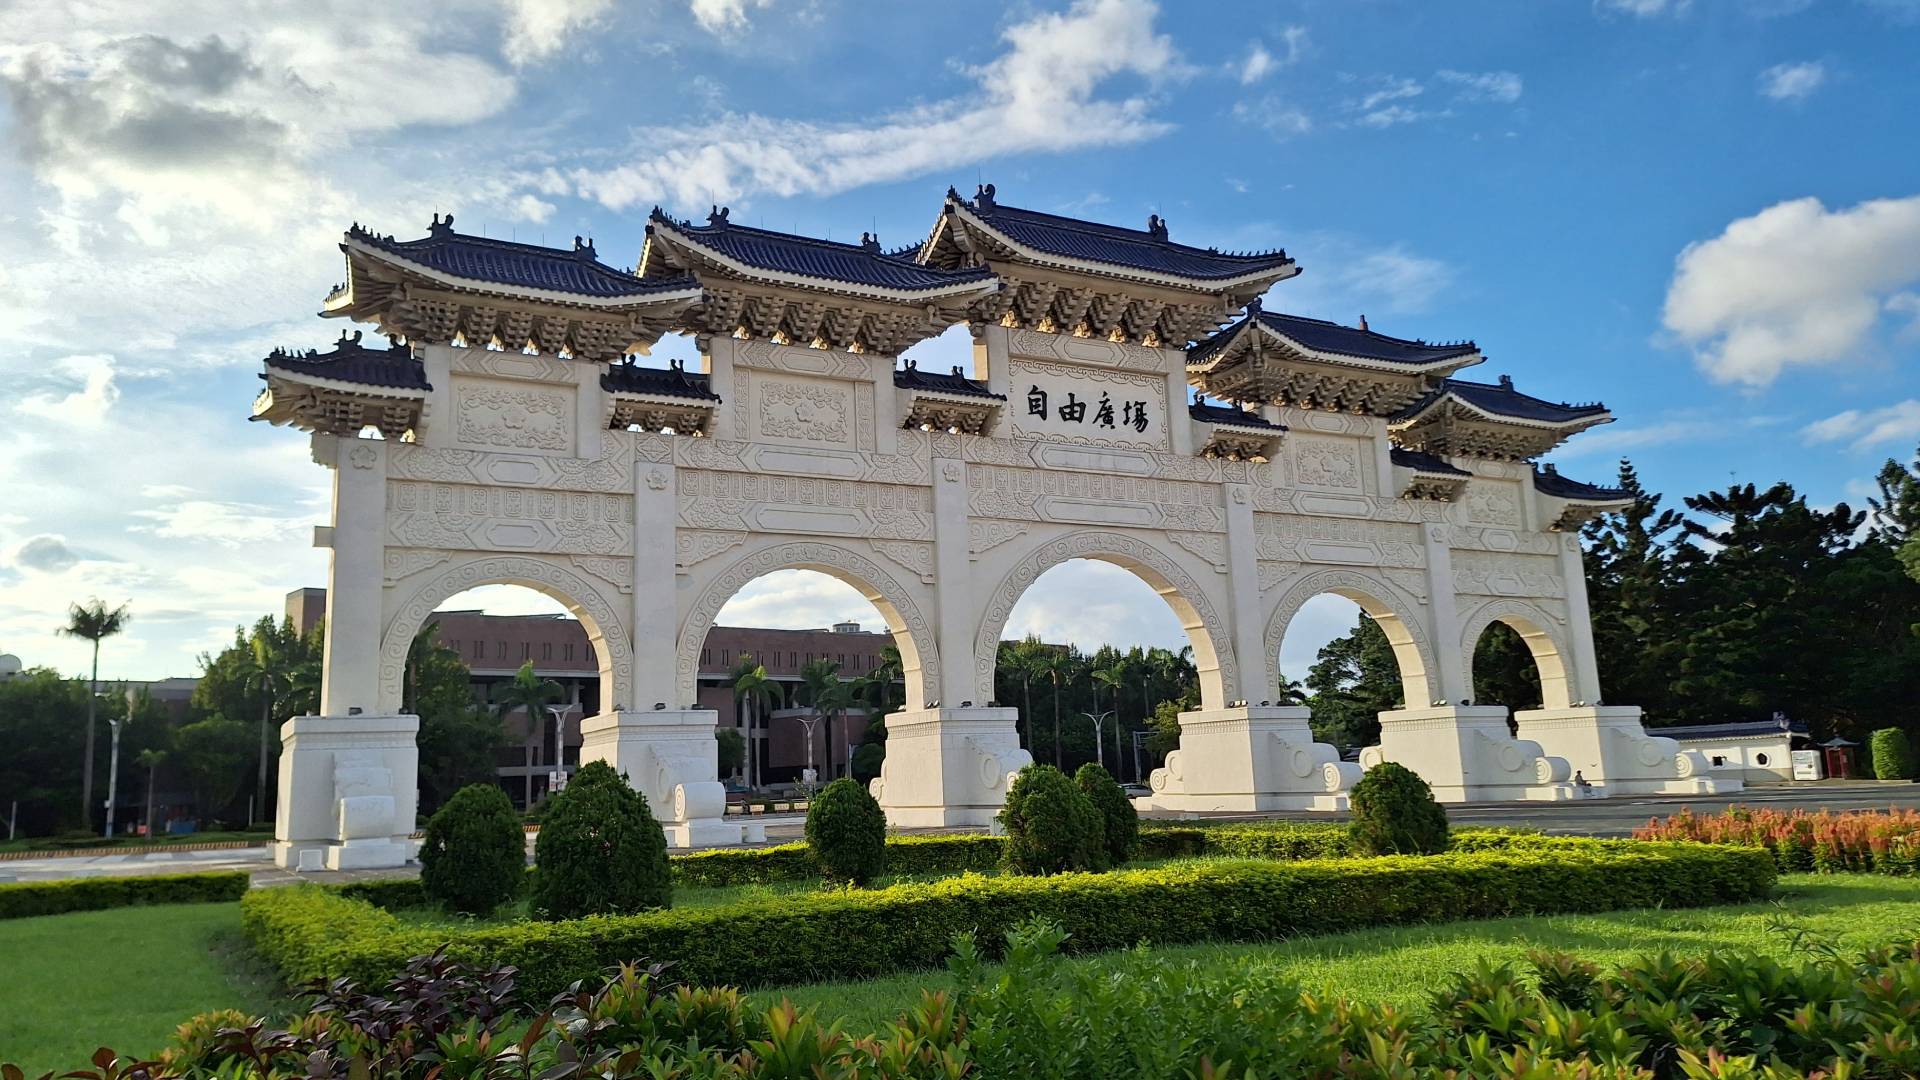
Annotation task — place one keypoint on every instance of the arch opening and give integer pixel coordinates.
(804, 666)
(1090, 653)
(1515, 658)
(793, 585)
(501, 674)
(1382, 660)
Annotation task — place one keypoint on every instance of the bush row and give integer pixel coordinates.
(310, 933)
(1875, 842)
(25, 899)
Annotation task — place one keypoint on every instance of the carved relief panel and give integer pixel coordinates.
(496, 414)
(1092, 499)
(1493, 502)
(1088, 406)
(813, 412)
(1487, 573)
(463, 518)
(1305, 539)
(730, 501)
(1328, 463)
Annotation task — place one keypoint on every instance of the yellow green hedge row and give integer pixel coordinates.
(309, 932)
(28, 898)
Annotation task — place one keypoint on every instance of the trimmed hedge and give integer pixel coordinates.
(1892, 754)
(309, 933)
(27, 899)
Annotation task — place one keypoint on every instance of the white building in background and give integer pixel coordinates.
(520, 444)
(1760, 752)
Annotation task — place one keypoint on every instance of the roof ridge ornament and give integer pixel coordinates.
(717, 218)
(870, 242)
(441, 227)
(983, 197)
(1506, 382)
(584, 248)
(1157, 227)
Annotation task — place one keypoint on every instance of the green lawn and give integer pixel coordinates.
(126, 977)
(122, 978)
(1401, 964)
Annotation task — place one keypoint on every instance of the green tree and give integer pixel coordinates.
(529, 693)
(828, 696)
(473, 855)
(268, 668)
(1119, 822)
(1394, 813)
(732, 750)
(1354, 679)
(848, 833)
(754, 693)
(599, 850)
(151, 760)
(1052, 827)
(94, 622)
(1631, 590)
(459, 747)
(212, 755)
(1504, 672)
(1112, 676)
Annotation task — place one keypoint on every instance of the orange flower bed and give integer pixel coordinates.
(1866, 841)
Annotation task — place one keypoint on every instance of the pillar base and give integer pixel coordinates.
(1610, 749)
(348, 792)
(671, 757)
(1466, 754)
(1250, 758)
(948, 768)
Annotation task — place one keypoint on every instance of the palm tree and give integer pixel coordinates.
(529, 691)
(267, 668)
(1113, 677)
(96, 623)
(752, 692)
(827, 695)
(151, 760)
(1029, 658)
(1055, 664)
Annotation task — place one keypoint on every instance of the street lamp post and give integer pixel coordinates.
(1099, 736)
(559, 780)
(113, 767)
(809, 722)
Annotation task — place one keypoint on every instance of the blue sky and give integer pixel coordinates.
(1705, 213)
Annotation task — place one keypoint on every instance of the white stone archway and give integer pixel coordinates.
(1398, 615)
(598, 615)
(1213, 656)
(1544, 639)
(912, 633)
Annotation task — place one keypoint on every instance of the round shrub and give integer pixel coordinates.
(599, 850)
(847, 831)
(474, 857)
(1892, 754)
(1119, 821)
(1051, 826)
(1394, 813)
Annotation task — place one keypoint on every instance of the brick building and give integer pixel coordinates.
(494, 647)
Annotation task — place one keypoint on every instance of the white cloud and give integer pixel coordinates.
(229, 524)
(1643, 9)
(1896, 423)
(1394, 90)
(1273, 116)
(1089, 603)
(537, 29)
(85, 406)
(1041, 94)
(1795, 285)
(1258, 65)
(724, 16)
(1501, 87)
(1792, 82)
(798, 600)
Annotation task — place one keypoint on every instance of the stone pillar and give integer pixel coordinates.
(1584, 661)
(655, 612)
(348, 792)
(671, 757)
(992, 363)
(1250, 758)
(1610, 750)
(1449, 683)
(437, 424)
(1467, 755)
(718, 351)
(948, 766)
(1258, 671)
(355, 574)
(1179, 421)
(953, 596)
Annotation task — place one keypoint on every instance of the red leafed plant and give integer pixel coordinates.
(1865, 841)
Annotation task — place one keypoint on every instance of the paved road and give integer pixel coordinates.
(1593, 817)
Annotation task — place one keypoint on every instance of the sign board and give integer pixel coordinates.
(1092, 406)
(1806, 764)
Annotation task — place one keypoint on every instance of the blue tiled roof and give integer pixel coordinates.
(672, 382)
(1549, 482)
(858, 264)
(1421, 461)
(1136, 249)
(349, 361)
(1735, 730)
(1501, 399)
(1322, 336)
(1227, 414)
(912, 378)
(528, 266)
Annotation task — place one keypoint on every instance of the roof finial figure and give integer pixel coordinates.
(983, 197)
(1253, 306)
(1156, 227)
(1363, 322)
(441, 225)
(349, 338)
(1506, 382)
(718, 216)
(869, 241)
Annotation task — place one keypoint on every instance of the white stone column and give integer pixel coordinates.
(1250, 758)
(992, 362)
(1449, 683)
(952, 591)
(948, 767)
(1586, 663)
(355, 574)
(436, 427)
(1259, 674)
(590, 408)
(655, 613)
(1382, 459)
(348, 792)
(718, 352)
(671, 757)
(1179, 420)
